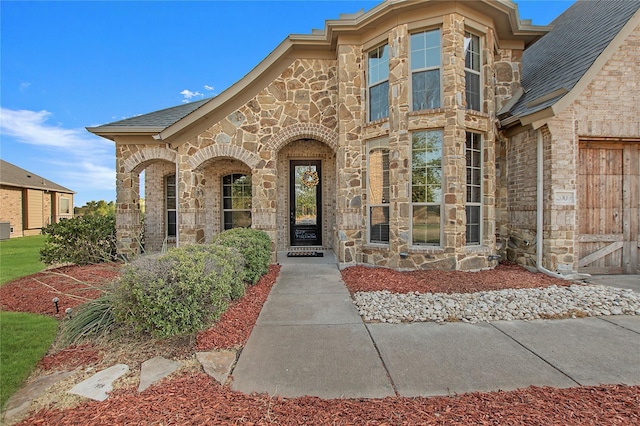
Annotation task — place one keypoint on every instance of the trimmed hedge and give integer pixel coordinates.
(179, 292)
(255, 246)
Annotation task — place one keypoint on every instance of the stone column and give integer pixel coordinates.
(349, 156)
(264, 199)
(399, 146)
(190, 189)
(453, 155)
(128, 226)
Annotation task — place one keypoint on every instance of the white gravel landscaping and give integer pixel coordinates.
(510, 304)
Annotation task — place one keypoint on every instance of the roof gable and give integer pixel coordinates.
(12, 175)
(176, 124)
(553, 66)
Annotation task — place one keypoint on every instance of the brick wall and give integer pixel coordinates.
(154, 222)
(11, 211)
(609, 107)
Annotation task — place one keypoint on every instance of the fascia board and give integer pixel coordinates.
(112, 132)
(538, 118)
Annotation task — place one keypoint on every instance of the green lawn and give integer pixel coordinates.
(20, 257)
(24, 340)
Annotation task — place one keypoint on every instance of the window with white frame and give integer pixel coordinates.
(378, 198)
(472, 71)
(425, 69)
(236, 201)
(65, 206)
(170, 203)
(378, 82)
(426, 187)
(473, 153)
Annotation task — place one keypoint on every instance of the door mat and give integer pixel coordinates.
(305, 254)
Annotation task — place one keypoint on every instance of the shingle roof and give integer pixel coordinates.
(12, 175)
(158, 119)
(556, 62)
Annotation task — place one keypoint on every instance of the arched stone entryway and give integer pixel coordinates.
(301, 151)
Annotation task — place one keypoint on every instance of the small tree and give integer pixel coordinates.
(101, 208)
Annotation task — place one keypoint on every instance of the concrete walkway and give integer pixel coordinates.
(310, 340)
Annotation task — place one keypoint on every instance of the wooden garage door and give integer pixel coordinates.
(608, 207)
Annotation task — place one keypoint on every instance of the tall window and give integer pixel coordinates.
(378, 176)
(472, 71)
(426, 187)
(236, 201)
(65, 206)
(170, 203)
(378, 82)
(425, 70)
(473, 152)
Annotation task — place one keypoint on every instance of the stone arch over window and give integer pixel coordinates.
(138, 161)
(210, 152)
(303, 131)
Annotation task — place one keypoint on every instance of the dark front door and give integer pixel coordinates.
(305, 216)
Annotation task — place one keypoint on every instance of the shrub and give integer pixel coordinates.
(179, 292)
(93, 319)
(82, 240)
(255, 246)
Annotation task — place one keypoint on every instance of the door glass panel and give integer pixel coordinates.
(306, 206)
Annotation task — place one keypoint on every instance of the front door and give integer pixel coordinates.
(305, 216)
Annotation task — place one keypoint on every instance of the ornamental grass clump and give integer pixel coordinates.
(255, 246)
(94, 319)
(179, 292)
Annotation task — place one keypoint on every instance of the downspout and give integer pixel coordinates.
(540, 209)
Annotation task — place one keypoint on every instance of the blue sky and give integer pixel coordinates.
(68, 65)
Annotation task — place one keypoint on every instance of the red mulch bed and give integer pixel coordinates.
(73, 285)
(195, 399)
(235, 325)
(362, 278)
(71, 357)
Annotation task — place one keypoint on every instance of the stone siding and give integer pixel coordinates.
(316, 109)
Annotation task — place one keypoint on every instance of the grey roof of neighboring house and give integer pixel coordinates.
(556, 62)
(12, 175)
(158, 119)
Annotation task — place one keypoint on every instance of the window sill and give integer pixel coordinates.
(429, 111)
(376, 122)
(478, 113)
(426, 250)
(376, 246)
(477, 249)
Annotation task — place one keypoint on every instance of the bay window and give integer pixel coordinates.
(378, 197)
(472, 71)
(378, 82)
(425, 70)
(473, 208)
(426, 187)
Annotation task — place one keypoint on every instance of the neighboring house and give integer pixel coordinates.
(31, 202)
(406, 137)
